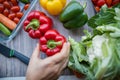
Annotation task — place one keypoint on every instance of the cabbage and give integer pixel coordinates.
(97, 55)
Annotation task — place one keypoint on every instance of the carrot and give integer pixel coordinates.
(7, 22)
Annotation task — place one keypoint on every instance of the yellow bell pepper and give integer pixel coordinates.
(54, 7)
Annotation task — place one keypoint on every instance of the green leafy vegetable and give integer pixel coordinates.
(97, 55)
(101, 59)
(105, 16)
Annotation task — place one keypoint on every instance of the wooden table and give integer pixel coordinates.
(23, 43)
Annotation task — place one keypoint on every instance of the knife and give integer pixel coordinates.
(13, 53)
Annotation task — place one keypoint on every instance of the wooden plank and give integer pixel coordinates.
(24, 44)
(61, 78)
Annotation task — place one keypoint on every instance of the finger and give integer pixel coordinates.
(36, 52)
(63, 65)
(65, 49)
(64, 53)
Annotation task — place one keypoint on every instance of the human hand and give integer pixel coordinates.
(49, 68)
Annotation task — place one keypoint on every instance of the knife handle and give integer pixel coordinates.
(21, 57)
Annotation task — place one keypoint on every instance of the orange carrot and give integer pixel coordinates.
(7, 22)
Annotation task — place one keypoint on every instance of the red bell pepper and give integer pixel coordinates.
(52, 42)
(37, 23)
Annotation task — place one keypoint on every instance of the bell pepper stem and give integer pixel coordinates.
(34, 24)
(52, 44)
(84, 5)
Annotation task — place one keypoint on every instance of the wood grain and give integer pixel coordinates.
(23, 43)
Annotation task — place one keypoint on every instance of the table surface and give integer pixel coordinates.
(12, 67)
(60, 78)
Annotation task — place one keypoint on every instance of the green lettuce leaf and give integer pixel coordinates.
(105, 16)
(97, 55)
(105, 63)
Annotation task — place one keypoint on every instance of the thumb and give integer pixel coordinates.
(36, 52)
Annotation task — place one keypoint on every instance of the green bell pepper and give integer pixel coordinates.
(73, 16)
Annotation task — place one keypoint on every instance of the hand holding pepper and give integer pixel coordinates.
(49, 68)
(37, 23)
(52, 42)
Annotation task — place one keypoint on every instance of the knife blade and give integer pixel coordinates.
(13, 53)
